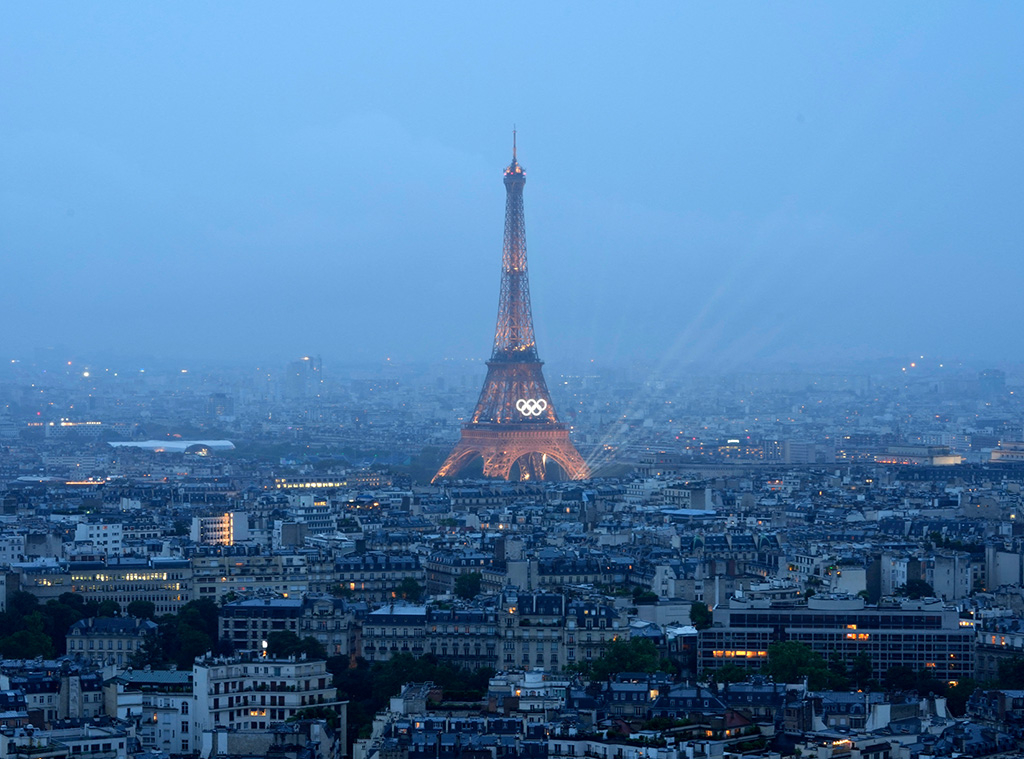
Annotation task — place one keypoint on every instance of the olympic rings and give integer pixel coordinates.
(531, 406)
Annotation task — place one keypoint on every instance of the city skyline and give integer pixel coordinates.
(739, 473)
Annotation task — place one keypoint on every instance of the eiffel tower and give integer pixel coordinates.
(514, 423)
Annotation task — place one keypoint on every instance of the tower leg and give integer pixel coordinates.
(531, 467)
(461, 455)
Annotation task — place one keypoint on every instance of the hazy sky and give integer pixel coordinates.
(709, 183)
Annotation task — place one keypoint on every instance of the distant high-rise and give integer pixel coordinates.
(220, 405)
(992, 383)
(304, 378)
(514, 425)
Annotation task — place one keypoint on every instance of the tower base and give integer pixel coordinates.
(503, 445)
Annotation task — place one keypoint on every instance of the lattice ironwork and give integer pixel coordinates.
(504, 446)
(514, 422)
(513, 335)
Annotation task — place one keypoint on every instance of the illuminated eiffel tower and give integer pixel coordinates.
(514, 424)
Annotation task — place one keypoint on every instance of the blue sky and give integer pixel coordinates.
(718, 184)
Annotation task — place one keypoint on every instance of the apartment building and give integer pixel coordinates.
(464, 637)
(394, 629)
(161, 704)
(924, 635)
(220, 529)
(331, 621)
(374, 576)
(249, 692)
(108, 640)
(444, 567)
(547, 630)
(106, 538)
(217, 574)
(164, 582)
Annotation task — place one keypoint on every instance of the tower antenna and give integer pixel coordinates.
(513, 142)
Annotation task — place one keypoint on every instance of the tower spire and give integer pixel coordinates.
(513, 336)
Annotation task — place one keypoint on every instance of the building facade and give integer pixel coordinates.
(247, 624)
(924, 635)
(164, 582)
(108, 640)
(252, 692)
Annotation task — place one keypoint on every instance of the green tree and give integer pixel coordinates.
(915, 589)
(108, 609)
(904, 678)
(150, 653)
(368, 688)
(899, 677)
(862, 672)
(202, 615)
(1011, 674)
(189, 633)
(58, 620)
(700, 615)
(354, 681)
(457, 683)
(644, 597)
(409, 590)
(39, 630)
(21, 604)
(284, 643)
(192, 643)
(467, 585)
(633, 655)
(837, 677)
(28, 642)
(73, 600)
(639, 591)
(728, 673)
(791, 661)
(928, 683)
(142, 609)
(957, 695)
(664, 723)
(326, 713)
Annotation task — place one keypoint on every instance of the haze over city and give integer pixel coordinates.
(511, 380)
(723, 187)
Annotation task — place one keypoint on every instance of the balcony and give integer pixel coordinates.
(51, 750)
